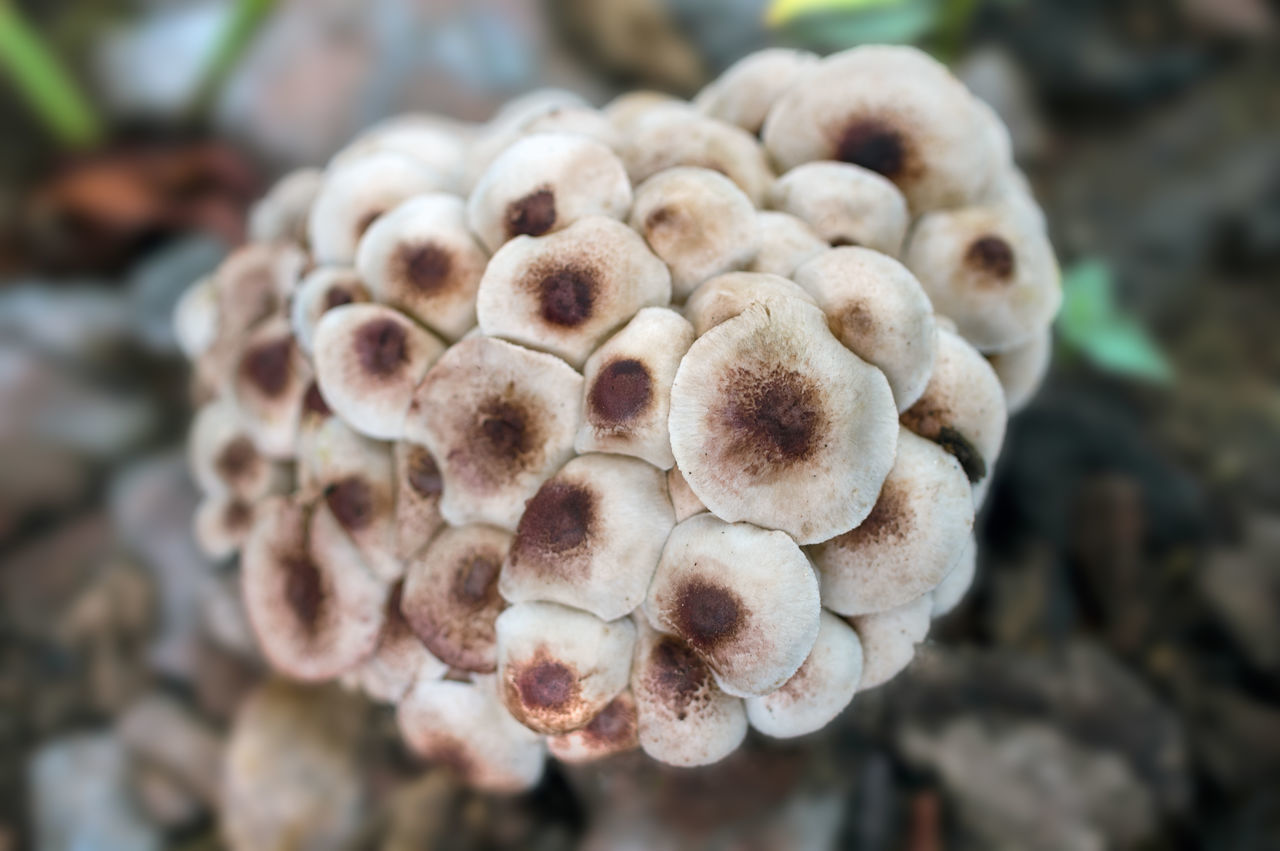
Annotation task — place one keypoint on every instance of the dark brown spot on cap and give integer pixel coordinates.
(336, 296)
(351, 501)
(237, 515)
(771, 417)
(932, 421)
(505, 429)
(992, 256)
(661, 217)
(613, 726)
(533, 215)
(676, 674)
(236, 458)
(874, 144)
(707, 615)
(425, 267)
(381, 346)
(546, 685)
(303, 589)
(476, 581)
(267, 366)
(890, 519)
(950, 439)
(446, 751)
(558, 519)
(621, 391)
(423, 473)
(313, 401)
(566, 296)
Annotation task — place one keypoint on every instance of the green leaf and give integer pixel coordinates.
(1092, 324)
(246, 18)
(781, 12)
(906, 22)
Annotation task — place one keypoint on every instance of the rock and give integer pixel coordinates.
(75, 320)
(158, 731)
(1243, 585)
(41, 578)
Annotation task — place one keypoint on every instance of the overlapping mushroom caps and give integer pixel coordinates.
(583, 431)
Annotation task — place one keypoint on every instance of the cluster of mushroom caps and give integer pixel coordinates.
(589, 429)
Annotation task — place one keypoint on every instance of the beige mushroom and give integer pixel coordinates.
(614, 730)
(221, 525)
(1022, 369)
(418, 490)
(785, 242)
(440, 144)
(270, 379)
(630, 107)
(956, 583)
(254, 282)
(725, 296)
(745, 92)
(196, 319)
(319, 292)
(282, 213)
(223, 458)
(400, 659)
(889, 639)
(683, 499)
(667, 138)
(845, 204)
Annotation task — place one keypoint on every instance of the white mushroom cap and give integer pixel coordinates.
(877, 308)
(908, 542)
(544, 183)
(195, 317)
(819, 691)
(254, 282)
(369, 358)
(1011, 189)
(683, 499)
(316, 609)
(464, 726)
(889, 639)
(785, 243)
(322, 290)
(956, 583)
(420, 258)
(698, 222)
(745, 92)
(282, 212)
(845, 204)
(400, 659)
(418, 490)
(667, 138)
(439, 143)
(591, 536)
(222, 523)
(355, 193)
(565, 292)
(630, 107)
(451, 595)
(499, 419)
(684, 718)
(744, 598)
(991, 269)
(1022, 369)
(223, 458)
(615, 729)
(270, 378)
(725, 296)
(893, 110)
(575, 120)
(628, 387)
(559, 667)
(774, 422)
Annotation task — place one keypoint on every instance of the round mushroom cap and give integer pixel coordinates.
(683, 716)
(544, 183)
(667, 138)
(745, 92)
(725, 296)
(221, 524)
(909, 541)
(566, 292)
(451, 597)
(567, 119)
(845, 204)
(1022, 369)
(819, 691)
(499, 419)
(196, 319)
(627, 387)
(270, 378)
(464, 726)
(614, 730)
(775, 423)
(630, 107)
(255, 282)
(440, 144)
(400, 660)
(683, 499)
(698, 222)
(591, 536)
(744, 598)
(889, 639)
(319, 292)
(421, 258)
(956, 583)
(369, 358)
(223, 457)
(893, 110)
(877, 308)
(990, 269)
(281, 214)
(559, 667)
(785, 242)
(355, 193)
(418, 489)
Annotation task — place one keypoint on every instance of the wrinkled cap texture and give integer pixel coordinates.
(583, 431)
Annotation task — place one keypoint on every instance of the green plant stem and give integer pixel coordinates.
(247, 16)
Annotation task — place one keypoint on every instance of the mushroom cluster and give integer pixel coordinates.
(586, 430)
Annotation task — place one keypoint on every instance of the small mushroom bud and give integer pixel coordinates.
(877, 308)
(683, 499)
(271, 377)
(573, 120)
(844, 204)
(564, 293)
(684, 718)
(222, 523)
(418, 490)
(369, 358)
(775, 423)
(451, 595)
(1022, 369)
(420, 258)
(725, 296)
(355, 193)
(400, 659)
(889, 640)
(254, 282)
(667, 138)
(532, 105)
(195, 318)
(628, 387)
(544, 183)
(224, 459)
(465, 727)
(322, 290)
(614, 730)
(785, 243)
(591, 536)
(908, 542)
(698, 222)
(989, 269)
(819, 691)
(316, 609)
(745, 599)
(559, 667)
(499, 419)
(956, 583)
(438, 143)
(748, 89)
(282, 213)
(893, 110)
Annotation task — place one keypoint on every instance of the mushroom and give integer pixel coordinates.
(319, 292)
(565, 292)
(725, 296)
(630, 107)
(744, 598)
(745, 92)
(845, 204)
(956, 583)
(222, 522)
(271, 376)
(438, 143)
(614, 730)
(889, 639)
(451, 595)
(544, 183)
(683, 717)
(1022, 369)
(893, 110)
(785, 242)
(877, 308)
(559, 667)
(418, 490)
(627, 387)
(223, 458)
(683, 499)
(909, 541)
(400, 659)
(567, 119)
(591, 536)
(195, 318)
(253, 283)
(420, 258)
(819, 691)
(698, 222)
(775, 423)
(499, 419)
(990, 269)
(667, 138)
(369, 358)
(282, 213)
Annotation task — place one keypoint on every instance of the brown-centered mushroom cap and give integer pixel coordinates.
(282, 213)
(270, 378)
(1022, 369)
(745, 92)
(889, 639)
(725, 296)
(667, 138)
(614, 730)
(254, 282)
(441, 144)
(196, 319)
(400, 660)
(222, 523)
(320, 291)
(845, 204)
(785, 243)
(224, 459)
(418, 490)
